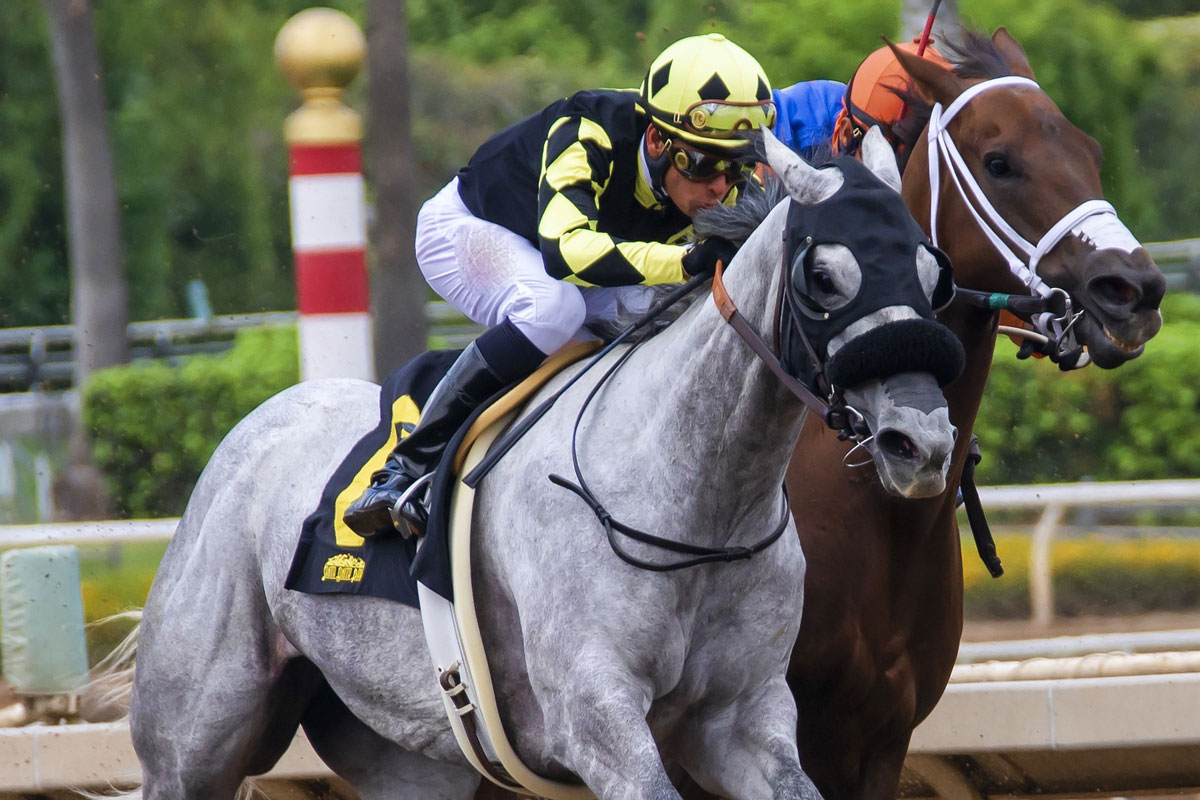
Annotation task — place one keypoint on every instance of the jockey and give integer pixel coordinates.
(808, 112)
(568, 217)
(822, 118)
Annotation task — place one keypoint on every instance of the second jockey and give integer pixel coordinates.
(819, 119)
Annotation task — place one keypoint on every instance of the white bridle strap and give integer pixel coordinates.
(1096, 221)
(1072, 220)
(941, 145)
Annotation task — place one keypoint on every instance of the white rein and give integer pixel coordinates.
(1094, 221)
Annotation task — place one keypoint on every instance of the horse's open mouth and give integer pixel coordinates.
(1109, 348)
(1133, 348)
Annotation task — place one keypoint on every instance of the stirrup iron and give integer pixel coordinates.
(410, 512)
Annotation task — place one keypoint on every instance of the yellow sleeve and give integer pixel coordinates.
(577, 164)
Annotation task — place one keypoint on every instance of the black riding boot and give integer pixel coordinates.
(470, 380)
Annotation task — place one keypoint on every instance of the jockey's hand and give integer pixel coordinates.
(703, 257)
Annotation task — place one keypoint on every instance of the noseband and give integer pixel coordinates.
(1094, 220)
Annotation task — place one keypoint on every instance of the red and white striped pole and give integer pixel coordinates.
(320, 51)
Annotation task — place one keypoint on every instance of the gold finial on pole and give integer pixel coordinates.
(320, 51)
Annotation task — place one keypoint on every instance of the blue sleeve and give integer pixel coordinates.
(805, 114)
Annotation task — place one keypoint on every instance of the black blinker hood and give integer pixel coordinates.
(870, 219)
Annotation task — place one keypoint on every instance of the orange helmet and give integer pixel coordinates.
(871, 98)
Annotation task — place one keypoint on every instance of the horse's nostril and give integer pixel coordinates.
(897, 445)
(1115, 290)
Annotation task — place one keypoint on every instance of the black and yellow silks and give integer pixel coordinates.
(569, 180)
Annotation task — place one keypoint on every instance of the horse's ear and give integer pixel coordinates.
(805, 183)
(935, 83)
(878, 156)
(1013, 53)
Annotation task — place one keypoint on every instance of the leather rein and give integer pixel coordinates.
(847, 421)
(844, 419)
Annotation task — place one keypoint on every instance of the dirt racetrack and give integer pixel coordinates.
(973, 631)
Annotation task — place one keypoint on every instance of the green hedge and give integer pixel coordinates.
(1092, 576)
(154, 427)
(1040, 425)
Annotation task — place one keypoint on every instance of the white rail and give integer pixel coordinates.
(1055, 499)
(106, 532)
(1068, 646)
(99, 755)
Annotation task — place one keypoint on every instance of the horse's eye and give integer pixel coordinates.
(997, 166)
(824, 282)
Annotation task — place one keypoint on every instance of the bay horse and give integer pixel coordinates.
(883, 594)
(605, 673)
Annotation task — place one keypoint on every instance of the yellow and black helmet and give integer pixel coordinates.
(708, 92)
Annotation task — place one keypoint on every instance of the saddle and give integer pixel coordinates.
(330, 558)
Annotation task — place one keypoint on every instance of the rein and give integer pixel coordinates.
(844, 419)
(700, 554)
(847, 421)
(1095, 218)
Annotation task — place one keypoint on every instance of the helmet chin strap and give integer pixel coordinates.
(1094, 221)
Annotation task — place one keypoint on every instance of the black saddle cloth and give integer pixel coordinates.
(387, 566)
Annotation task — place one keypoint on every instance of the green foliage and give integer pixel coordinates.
(1040, 425)
(1098, 68)
(154, 427)
(33, 265)
(197, 113)
(114, 579)
(197, 107)
(1169, 151)
(799, 40)
(1146, 9)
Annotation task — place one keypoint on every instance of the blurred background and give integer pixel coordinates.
(168, 248)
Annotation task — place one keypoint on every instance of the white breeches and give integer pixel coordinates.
(491, 274)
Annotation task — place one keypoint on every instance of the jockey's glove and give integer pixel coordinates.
(703, 257)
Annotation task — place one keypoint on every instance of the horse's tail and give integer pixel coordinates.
(250, 789)
(111, 683)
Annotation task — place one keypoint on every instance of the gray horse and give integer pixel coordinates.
(604, 672)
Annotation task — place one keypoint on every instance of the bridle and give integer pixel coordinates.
(846, 420)
(1096, 219)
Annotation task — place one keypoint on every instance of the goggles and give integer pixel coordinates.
(714, 119)
(697, 166)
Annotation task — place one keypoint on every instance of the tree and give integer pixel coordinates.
(397, 289)
(99, 295)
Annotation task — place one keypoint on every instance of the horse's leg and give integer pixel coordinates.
(747, 751)
(377, 768)
(213, 703)
(881, 770)
(608, 742)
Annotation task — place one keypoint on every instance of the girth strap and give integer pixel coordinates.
(452, 686)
